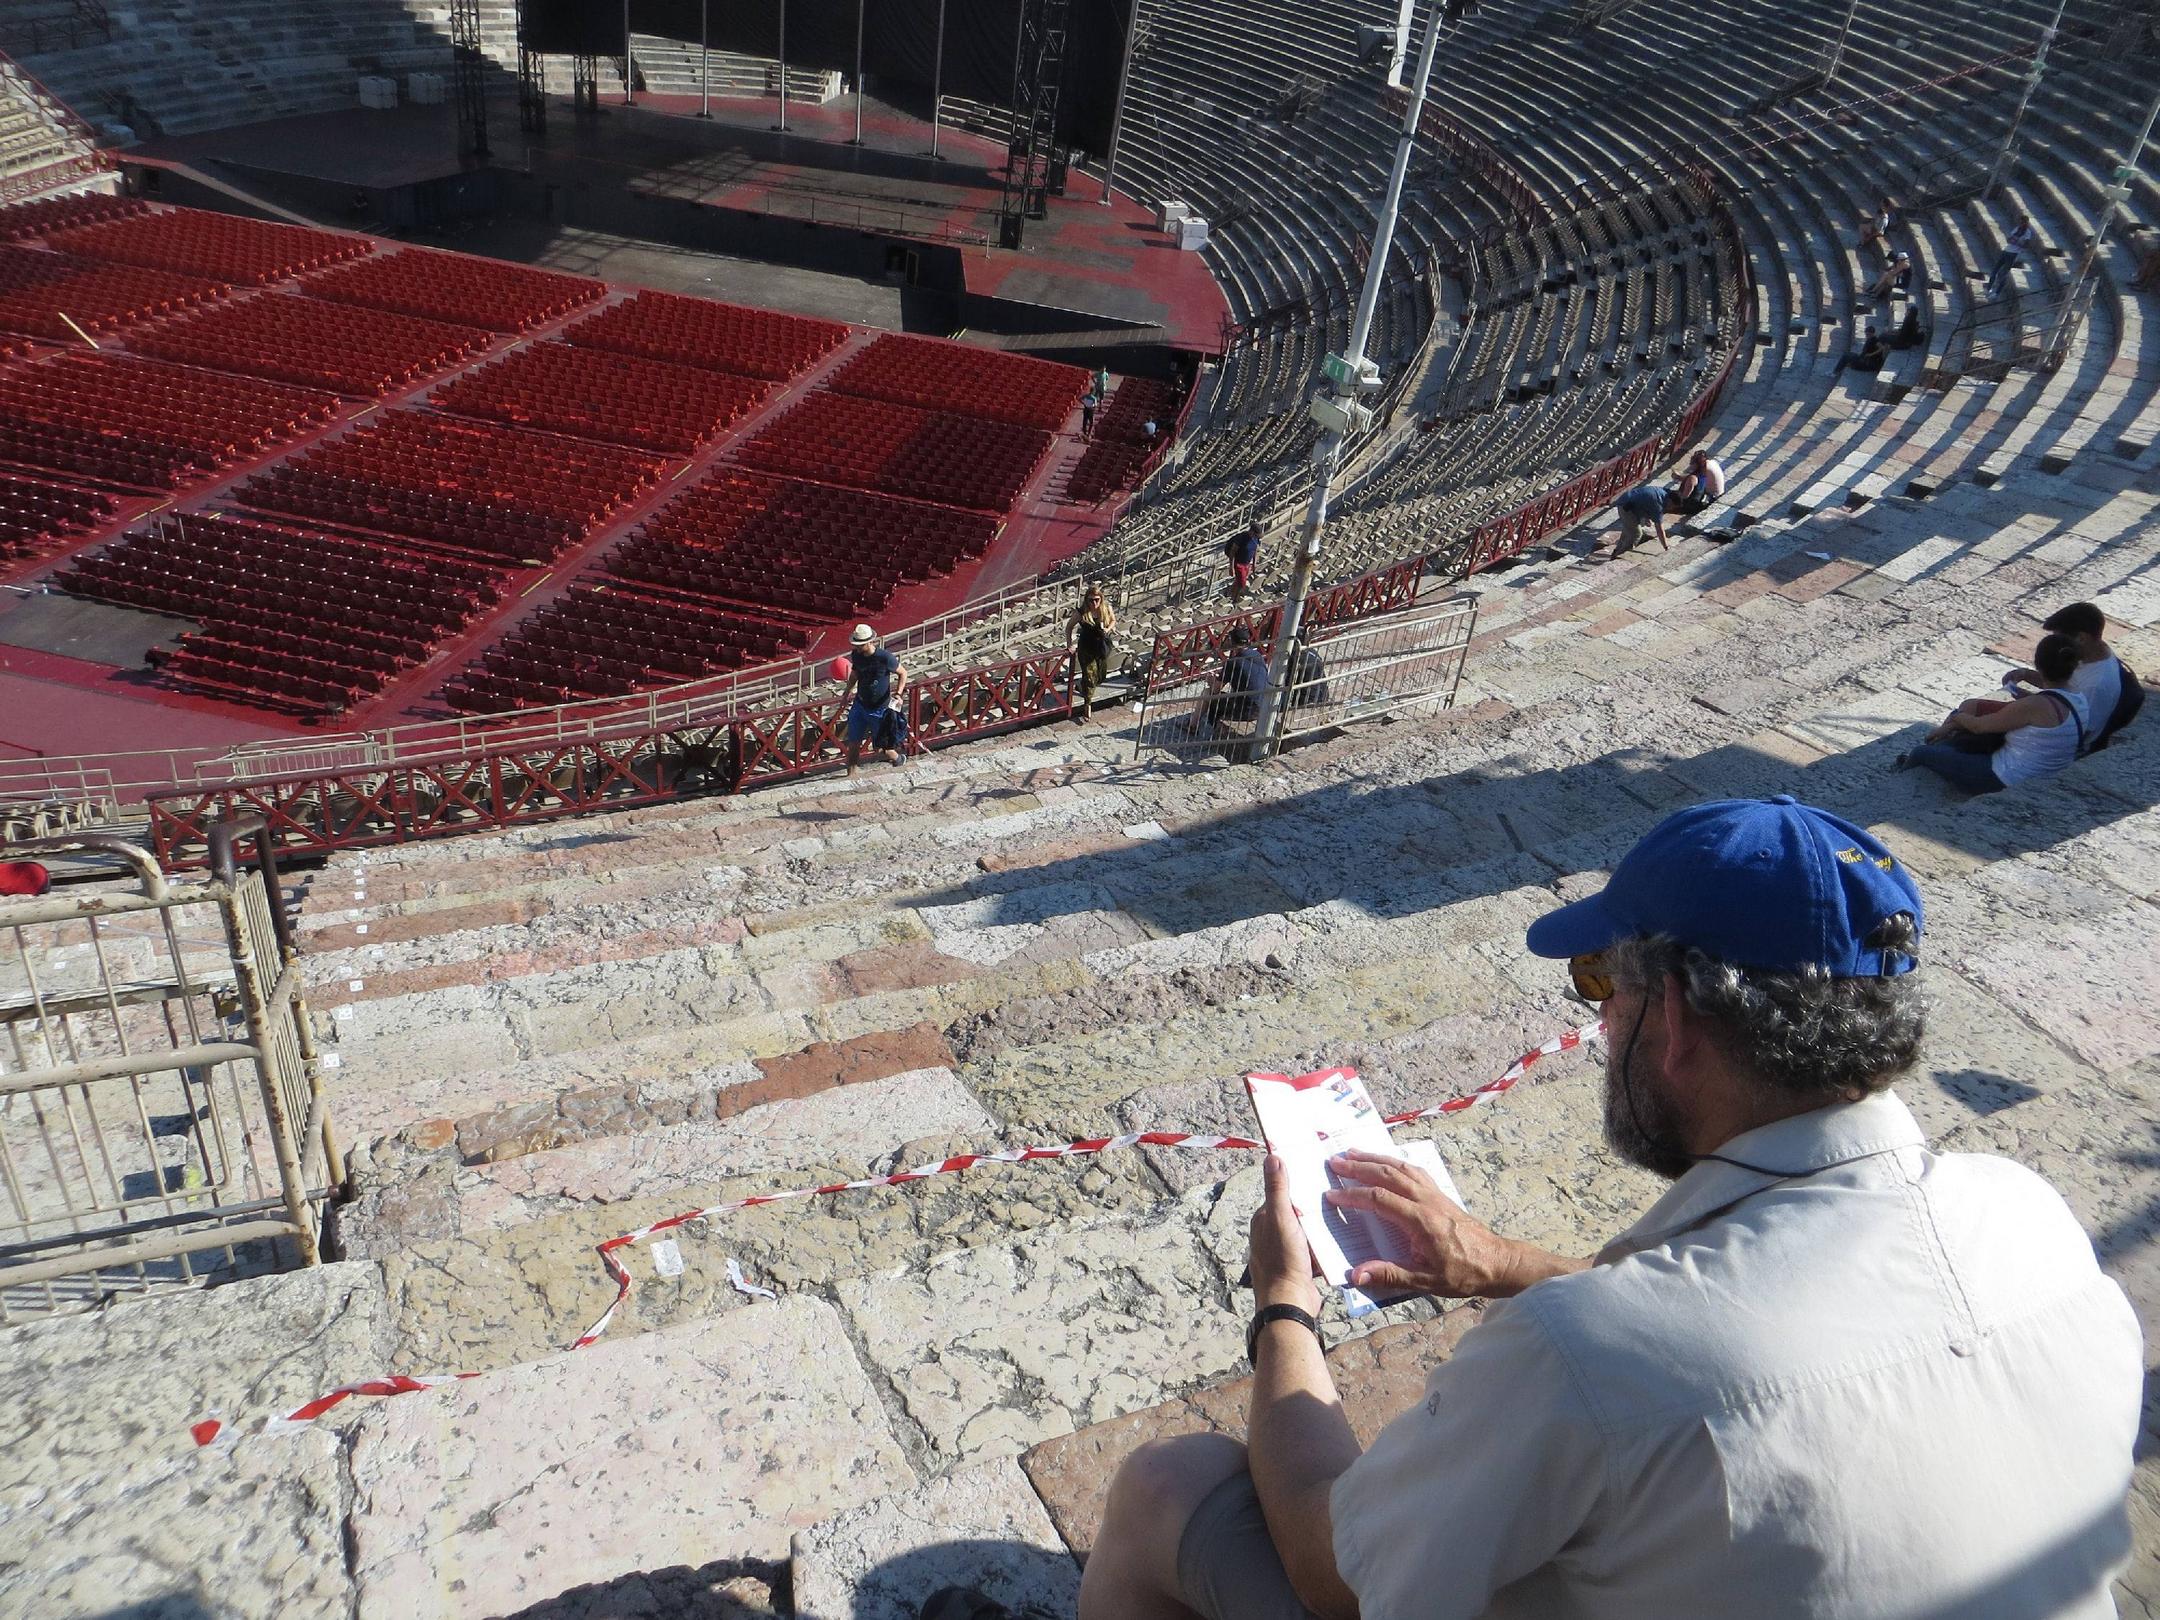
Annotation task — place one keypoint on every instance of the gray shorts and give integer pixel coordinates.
(1227, 1566)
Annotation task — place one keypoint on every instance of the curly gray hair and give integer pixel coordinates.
(1801, 1033)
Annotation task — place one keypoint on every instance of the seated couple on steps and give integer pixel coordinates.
(2076, 696)
(1829, 1372)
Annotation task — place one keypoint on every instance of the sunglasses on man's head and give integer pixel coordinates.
(1593, 979)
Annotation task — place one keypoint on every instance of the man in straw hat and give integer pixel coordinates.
(875, 680)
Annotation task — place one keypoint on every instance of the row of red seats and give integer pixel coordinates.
(453, 287)
(1121, 444)
(813, 548)
(44, 215)
(500, 490)
(927, 455)
(941, 376)
(379, 596)
(610, 643)
(704, 332)
(144, 423)
(362, 353)
(290, 619)
(595, 394)
(36, 516)
(224, 247)
(36, 287)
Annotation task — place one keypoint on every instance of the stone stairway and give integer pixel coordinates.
(553, 1036)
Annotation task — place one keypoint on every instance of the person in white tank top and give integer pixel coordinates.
(1989, 744)
(2099, 676)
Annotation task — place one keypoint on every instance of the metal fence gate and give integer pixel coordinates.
(162, 1116)
(1360, 670)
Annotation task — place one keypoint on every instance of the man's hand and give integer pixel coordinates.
(1451, 1254)
(1281, 1260)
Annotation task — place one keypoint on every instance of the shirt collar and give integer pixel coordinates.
(1787, 1147)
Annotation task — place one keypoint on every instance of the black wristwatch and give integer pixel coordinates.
(1275, 1313)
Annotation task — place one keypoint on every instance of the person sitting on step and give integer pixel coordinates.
(1868, 357)
(1988, 744)
(1703, 483)
(1830, 1371)
(1896, 277)
(2108, 686)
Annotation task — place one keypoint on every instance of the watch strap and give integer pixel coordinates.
(1275, 1313)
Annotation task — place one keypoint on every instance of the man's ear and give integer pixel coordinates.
(1684, 1033)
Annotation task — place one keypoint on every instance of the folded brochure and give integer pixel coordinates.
(1308, 1119)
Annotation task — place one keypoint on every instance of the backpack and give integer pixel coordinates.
(2126, 709)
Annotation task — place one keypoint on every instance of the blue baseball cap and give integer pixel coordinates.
(1760, 883)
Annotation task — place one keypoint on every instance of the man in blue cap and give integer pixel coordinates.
(1829, 1372)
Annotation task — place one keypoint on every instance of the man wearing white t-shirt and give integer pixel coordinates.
(1828, 1373)
(2099, 675)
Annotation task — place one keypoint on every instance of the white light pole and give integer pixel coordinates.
(704, 56)
(937, 79)
(2117, 195)
(626, 98)
(859, 4)
(1338, 411)
(2032, 83)
(1837, 53)
(783, 65)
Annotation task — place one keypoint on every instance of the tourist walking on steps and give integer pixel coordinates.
(1988, 744)
(1645, 503)
(1829, 1372)
(1089, 644)
(2109, 687)
(1088, 403)
(875, 680)
(1242, 549)
(2015, 246)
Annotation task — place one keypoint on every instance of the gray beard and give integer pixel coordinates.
(1639, 1128)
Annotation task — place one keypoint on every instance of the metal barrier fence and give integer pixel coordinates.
(162, 1117)
(1346, 672)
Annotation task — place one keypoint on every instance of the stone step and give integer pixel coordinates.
(710, 1443)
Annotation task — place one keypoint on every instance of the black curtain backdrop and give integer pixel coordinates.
(899, 39)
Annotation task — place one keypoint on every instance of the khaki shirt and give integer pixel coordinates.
(1883, 1382)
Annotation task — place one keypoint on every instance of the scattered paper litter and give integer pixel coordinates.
(667, 1257)
(737, 1281)
(1146, 831)
(1820, 556)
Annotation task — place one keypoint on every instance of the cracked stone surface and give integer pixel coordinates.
(994, 1348)
(980, 1527)
(252, 1529)
(91, 1395)
(660, 1450)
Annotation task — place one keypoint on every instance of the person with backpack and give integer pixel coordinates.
(875, 679)
(1987, 744)
(1090, 646)
(1308, 677)
(1242, 549)
(2111, 690)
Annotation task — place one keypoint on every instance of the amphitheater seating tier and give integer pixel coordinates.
(924, 455)
(705, 332)
(219, 247)
(477, 486)
(1121, 445)
(289, 617)
(144, 424)
(38, 289)
(24, 220)
(361, 353)
(610, 639)
(970, 382)
(596, 394)
(38, 515)
(452, 287)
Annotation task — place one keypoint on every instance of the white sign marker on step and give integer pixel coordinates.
(332, 1060)
(359, 928)
(667, 1257)
(354, 986)
(343, 1013)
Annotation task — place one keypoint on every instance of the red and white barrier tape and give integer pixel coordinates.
(209, 1429)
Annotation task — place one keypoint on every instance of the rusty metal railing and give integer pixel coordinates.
(162, 1110)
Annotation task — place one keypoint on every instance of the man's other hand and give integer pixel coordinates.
(1280, 1258)
(1451, 1255)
